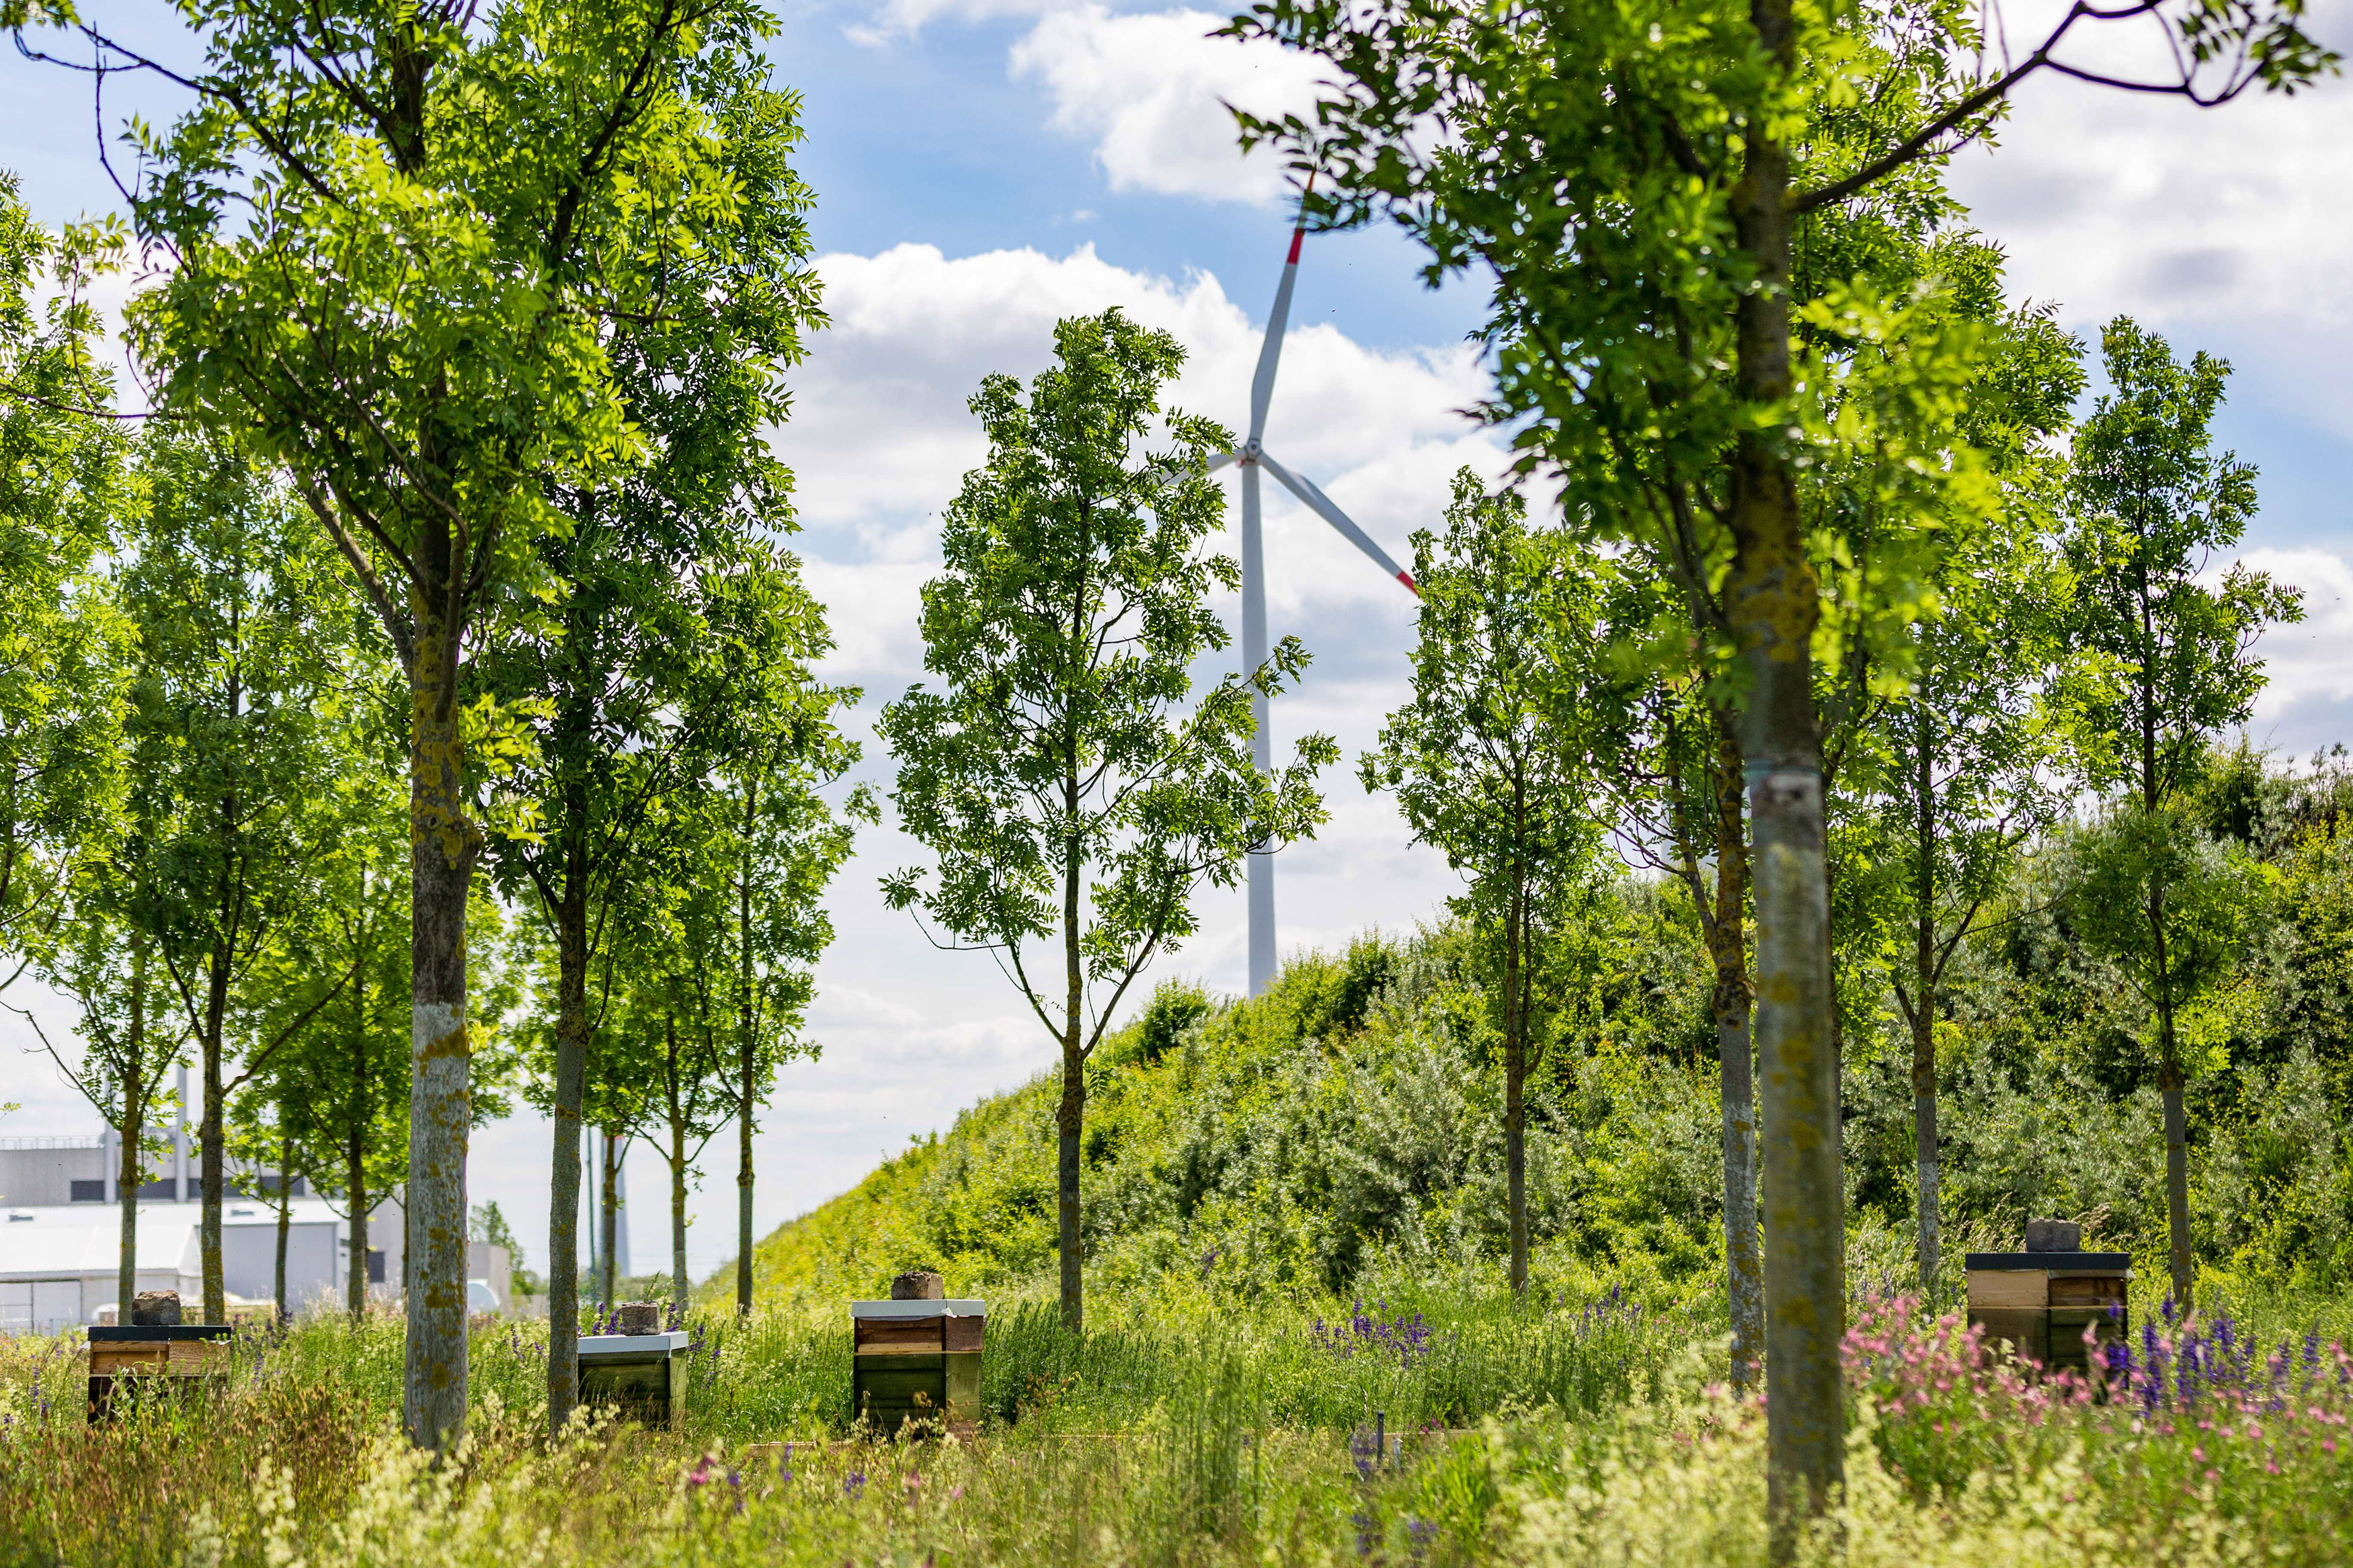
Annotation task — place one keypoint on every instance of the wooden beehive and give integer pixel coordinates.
(141, 1357)
(2039, 1303)
(916, 1361)
(641, 1376)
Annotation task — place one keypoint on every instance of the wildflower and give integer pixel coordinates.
(853, 1484)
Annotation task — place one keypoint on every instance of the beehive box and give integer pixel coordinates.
(2041, 1302)
(144, 1357)
(916, 1361)
(641, 1376)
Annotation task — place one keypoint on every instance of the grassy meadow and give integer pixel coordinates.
(1295, 1218)
(1592, 1432)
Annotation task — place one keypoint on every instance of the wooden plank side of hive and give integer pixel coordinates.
(2008, 1289)
(900, 1336)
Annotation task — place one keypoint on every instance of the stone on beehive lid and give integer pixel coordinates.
(636, 1318)
(2054, 1236)
(155, 1309)
(918, 1285)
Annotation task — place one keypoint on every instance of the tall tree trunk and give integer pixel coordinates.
(609, 1184)
(1923, 1011)
(2170, 1085)
(358, 1112)
(211, 1134)
(444, 844)
(564, 1172)
(355, 1195)
(285, 1221)
(1070, 1115)
(673, 1090)
(746, 1053)
(1516, 1075)
(134, 1127)
(1743, 1267)
(2169, 1076)
(1774, 605)
(678, 1217)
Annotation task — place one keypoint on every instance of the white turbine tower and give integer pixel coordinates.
(1253, 457)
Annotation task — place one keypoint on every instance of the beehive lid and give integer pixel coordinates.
(2055, 1262)
(150, 1333)
(964, 1307)
(626, 1347)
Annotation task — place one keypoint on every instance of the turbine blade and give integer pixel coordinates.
(1222, 458)
(1269, 352)
(1321, 505)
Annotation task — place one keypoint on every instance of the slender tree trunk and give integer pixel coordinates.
(1774, 604)
(134, 1128)
(1070, 1115)
(444, 844)
(355, 1195)
(678, 1292)
(211, 1134)
(1516, 1075)
(610, 1220)
(1744, 1267)
(1923, 1011)
(2169, 1085)
(673, 1088)
(2169, 1076)
(563, 1171)
(746, 1055)
(285, 1221)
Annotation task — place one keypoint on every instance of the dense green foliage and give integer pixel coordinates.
(1347, 1124)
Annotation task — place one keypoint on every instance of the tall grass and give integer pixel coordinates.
(1597, 1434)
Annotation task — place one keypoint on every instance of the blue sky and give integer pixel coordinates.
(983, 166)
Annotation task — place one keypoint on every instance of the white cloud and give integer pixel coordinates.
(2229, 219)
(892, 20)
(1150, 90)
(2309, 679)
(880, 436)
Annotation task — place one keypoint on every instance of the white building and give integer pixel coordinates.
(59, 1262)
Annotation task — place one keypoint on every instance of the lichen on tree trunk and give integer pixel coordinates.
(444, 845)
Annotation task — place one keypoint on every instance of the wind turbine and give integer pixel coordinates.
(1250, 459)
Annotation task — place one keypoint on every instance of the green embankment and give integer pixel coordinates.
(1342, 1135)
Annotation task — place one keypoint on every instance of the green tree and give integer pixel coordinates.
(780, 842)
(1639, 181)
(1490, 768)
(236, 618)
(1666, 752)
(1069, 796)
(677, 1019)
(1961, 774)
(397, 235)
(678, 618)
(340, 1085)
(64, 653)
(97, 950)
(2152, 503)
